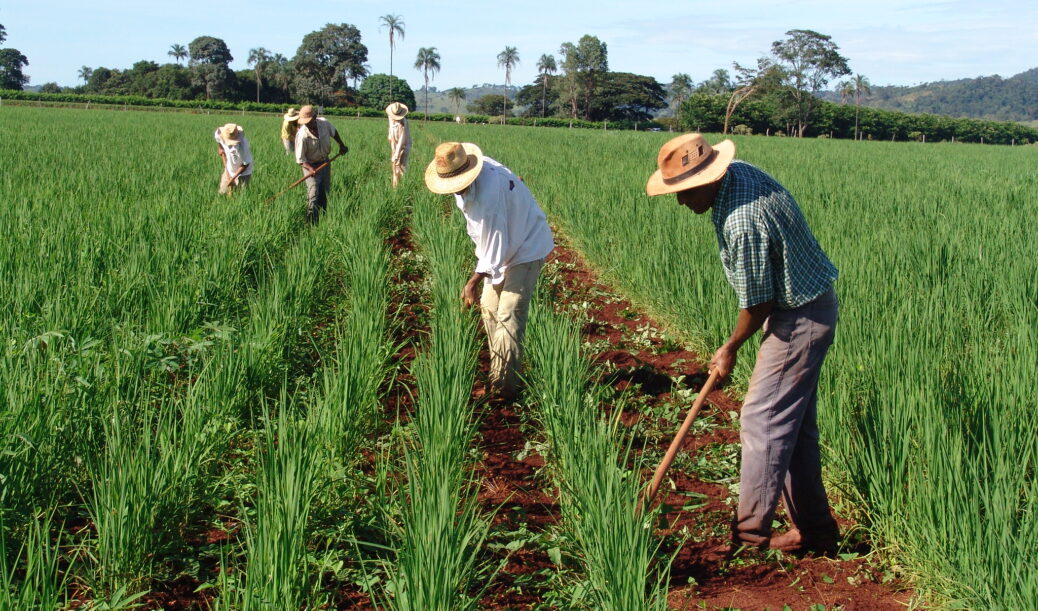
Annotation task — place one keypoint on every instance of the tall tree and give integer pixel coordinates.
(258, 58)
(766, 76)
(457, 96)
(680, 88)
(374, 91)
(395, 25)
(720, 82)
(809, 60)
(428, 60)
(507, 59)
(85, 72)
(584, 64)
(545, 65)
(177, 52)
(862, 87)
(326, 60)
(11, 63)
(210, 59)
(571, 70)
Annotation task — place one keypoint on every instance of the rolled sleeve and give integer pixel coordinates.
(751, 274)
(491, 248)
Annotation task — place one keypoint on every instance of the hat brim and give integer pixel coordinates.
(724, 153)
(397, 116)
(444, 186)
(289, 117)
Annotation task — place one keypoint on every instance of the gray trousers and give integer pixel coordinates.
(779, 427)
(504, 308)
(317, 192)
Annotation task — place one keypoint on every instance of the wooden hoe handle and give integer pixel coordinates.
(672, 451)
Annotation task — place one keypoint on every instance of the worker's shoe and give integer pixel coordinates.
(796, 542)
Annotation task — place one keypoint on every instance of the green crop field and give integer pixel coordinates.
(202, 396)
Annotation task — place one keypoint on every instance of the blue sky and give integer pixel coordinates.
(890, 42)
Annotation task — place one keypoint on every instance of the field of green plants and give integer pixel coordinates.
(204, 398)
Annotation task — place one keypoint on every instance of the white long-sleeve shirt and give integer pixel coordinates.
(504, 221)
(235, 155)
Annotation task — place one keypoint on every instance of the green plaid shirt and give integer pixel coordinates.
(767, 250)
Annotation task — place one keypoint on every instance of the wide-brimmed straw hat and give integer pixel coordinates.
(291, 115)
(231, 133)
(687, 162)
(455, 166)
(306, 114)
(396, 111)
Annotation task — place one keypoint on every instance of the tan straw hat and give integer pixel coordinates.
(231, 133)
(455, 166)
(396, 111)
(291, 115)
(687, 162)
(306, 114)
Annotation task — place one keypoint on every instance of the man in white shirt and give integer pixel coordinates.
(512, 239)
(233, 148)
(313, 145)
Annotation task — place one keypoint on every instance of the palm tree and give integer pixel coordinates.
(507, 59)
(428, 60)
(545, 66)
(680, 89)
(282, 76)
(177, 52)
(395, 25)
(85, 73)
(456, 95)
(861, 86)
(259, 57)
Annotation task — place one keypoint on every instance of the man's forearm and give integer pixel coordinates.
(750, 321)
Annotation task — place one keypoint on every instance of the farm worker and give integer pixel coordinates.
(289, 127)
(784, 284)
(512, 238)
(313, 145)
(233, 147)
(399, 139)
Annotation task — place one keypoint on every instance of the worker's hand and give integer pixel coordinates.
(343, 149)
(469, 295)
(723, 361)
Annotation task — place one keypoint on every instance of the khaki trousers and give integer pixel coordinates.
(225, 182)
(504, 308)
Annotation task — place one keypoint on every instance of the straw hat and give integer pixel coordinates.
(396, 111)
(232, 133)
(291, 115)
(306, 114)
(687, 162)
(455, 166)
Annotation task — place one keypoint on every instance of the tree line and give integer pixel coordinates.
(782, 95)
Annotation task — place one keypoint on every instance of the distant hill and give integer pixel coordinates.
(439, 101)
(987, 97)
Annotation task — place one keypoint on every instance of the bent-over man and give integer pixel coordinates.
(784, 284)
(233, 148)
(512, 238)
(313, 145)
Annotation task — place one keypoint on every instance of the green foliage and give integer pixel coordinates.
(490, 105)
(11, 64)
(705, 113)
(809, 60)
(209, 65)
(375, 91)
(325, 62)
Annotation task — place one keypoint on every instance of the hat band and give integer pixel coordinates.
(691, 171)
(456, 172)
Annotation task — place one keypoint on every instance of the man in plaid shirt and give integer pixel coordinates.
(784, 284)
